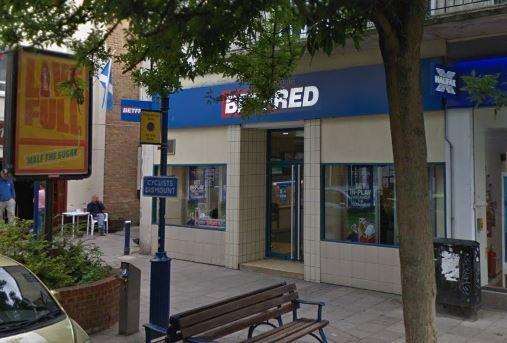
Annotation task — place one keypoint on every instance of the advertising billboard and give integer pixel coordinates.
(48, 131)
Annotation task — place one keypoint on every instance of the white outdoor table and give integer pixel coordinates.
(75, 219)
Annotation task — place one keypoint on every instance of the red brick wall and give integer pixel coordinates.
(121, 146)
(93, 306)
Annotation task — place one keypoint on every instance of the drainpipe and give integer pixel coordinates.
(451, 166)
(451, 157)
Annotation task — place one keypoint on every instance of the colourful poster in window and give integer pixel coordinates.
(361, 205)
(196, 184)
(360, 187)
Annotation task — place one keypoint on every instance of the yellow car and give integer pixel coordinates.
(28, 311)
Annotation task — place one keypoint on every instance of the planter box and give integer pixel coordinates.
(94, 306)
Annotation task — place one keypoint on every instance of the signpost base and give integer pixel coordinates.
(160, 279)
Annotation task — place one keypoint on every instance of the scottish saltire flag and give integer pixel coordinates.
(107, 83)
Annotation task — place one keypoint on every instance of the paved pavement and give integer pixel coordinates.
(355, 315)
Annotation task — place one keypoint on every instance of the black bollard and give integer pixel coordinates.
(126, 228)
(130, 299)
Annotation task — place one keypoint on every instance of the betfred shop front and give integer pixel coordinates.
(308, 187)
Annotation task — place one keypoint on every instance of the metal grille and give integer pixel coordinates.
(439, 7)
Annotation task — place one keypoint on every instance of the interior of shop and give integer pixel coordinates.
(496, 202)
(285, 175)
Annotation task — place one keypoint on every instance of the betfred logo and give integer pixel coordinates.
(130, 110)
(285, 98)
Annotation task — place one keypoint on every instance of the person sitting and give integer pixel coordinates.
(96, 209)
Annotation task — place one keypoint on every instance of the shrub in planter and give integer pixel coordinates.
(61, 263)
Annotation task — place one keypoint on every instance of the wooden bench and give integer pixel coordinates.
(260, 307)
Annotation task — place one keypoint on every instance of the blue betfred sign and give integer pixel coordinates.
(335, 93)
(131, 109)
(347, 92)
(160, 186)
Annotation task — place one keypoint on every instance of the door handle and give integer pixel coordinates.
(298, 213)
(292, 221)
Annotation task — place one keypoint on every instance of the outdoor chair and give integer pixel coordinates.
(92, 222)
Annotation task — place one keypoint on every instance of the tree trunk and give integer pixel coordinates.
(400, 36)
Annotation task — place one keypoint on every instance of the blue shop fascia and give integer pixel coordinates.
(312, 183)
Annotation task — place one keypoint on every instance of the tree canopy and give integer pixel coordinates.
(260, 42)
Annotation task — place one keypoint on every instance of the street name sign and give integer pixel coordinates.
(160, 186)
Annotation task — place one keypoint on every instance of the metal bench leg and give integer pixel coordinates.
(317, 337)
(250, 331)
(322, 338)
(253, 327)
(323, 335)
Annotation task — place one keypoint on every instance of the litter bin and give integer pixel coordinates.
(130, 299)
(458, 276)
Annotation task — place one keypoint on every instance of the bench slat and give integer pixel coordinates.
(177, 317)
(236, 315)
(246, 322)
(298, 334)
(234, 305)
(277, 334)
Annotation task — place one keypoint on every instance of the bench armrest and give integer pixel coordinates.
(320, 304)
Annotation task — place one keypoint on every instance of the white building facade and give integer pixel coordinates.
(312, 183)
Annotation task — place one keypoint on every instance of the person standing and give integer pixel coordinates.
(96, 209)
(42, 206)
(7, 196)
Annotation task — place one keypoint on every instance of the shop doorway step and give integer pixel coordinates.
(494, 297)
(284, 268)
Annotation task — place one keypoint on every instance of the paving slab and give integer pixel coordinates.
(355, 315)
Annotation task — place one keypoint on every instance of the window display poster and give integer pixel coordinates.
(196, 184)
(283, 191)
(360, 187)
(361, 205)
(209, 177)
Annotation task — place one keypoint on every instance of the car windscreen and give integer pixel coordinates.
(25, 303)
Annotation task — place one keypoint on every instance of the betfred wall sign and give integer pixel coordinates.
(49, 132)
(130, 109)
(286, 98)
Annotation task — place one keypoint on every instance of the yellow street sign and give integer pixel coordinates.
(151, 127)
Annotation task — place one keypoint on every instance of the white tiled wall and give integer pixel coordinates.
(311, 215)
(199, 245)
(357, 265)
(246, 196)
(232, 205)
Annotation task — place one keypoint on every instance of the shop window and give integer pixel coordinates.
(201, 197)
(359, 203)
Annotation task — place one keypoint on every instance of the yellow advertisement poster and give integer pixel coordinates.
(51, 130)
(151, 127)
